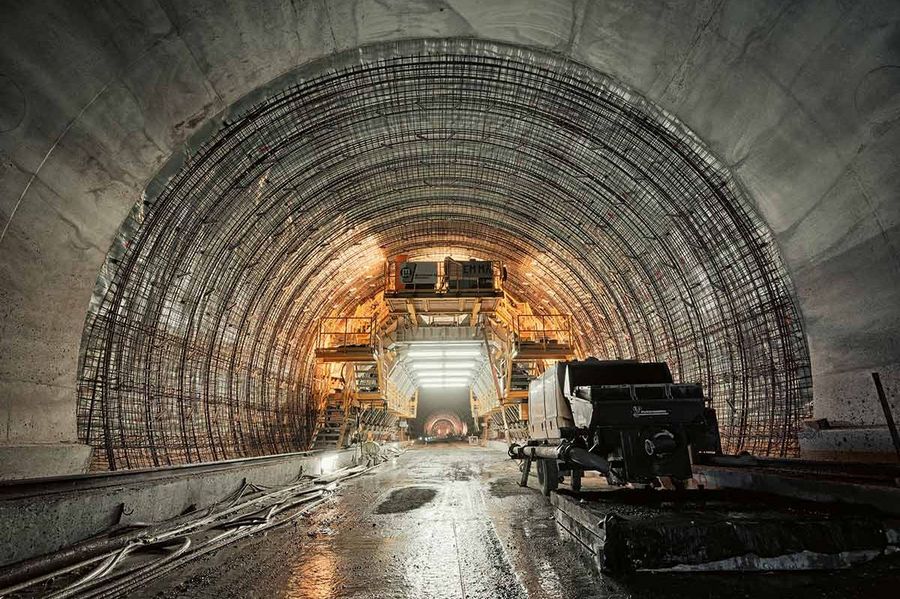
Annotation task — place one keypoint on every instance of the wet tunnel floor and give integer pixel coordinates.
(450, 521)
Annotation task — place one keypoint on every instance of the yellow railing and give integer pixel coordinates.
(544, 329)
(336, 331)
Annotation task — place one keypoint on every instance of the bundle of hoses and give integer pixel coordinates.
(106, 571)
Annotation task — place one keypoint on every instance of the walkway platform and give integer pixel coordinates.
(349, 353)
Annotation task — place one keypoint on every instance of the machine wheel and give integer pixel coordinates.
(576, 480)
(548, 476)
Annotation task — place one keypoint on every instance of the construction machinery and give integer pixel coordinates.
(447, 322)
(625, 419)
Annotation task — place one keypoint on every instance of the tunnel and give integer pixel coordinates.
(444, 424)
(216, 284)
(239, 239)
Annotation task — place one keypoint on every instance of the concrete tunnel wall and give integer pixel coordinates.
(800, 100)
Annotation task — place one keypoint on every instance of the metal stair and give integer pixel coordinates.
(365, 376)
(522, 374)
(331, 423)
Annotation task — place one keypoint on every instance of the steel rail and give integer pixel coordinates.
(44, 487)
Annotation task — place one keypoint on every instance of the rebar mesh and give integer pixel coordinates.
(199, 343)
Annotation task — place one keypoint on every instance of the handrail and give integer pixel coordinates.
(346, 331)
(544, 328)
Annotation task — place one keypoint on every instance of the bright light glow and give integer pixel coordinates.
(449, 365)
(437, 365)
(443, 344)
(444, 353)
(328, 463)
(447, 372)
(443, 385)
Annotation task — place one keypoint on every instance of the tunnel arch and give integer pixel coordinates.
(457, 426)
(198, 341)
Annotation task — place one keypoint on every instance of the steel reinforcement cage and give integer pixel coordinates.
(200, 338)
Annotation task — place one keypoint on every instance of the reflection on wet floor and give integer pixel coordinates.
(406, 499)
(427, 527)
(439, 521)
(450, 521)
(314, 577)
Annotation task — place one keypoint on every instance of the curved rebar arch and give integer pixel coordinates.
(198, 345)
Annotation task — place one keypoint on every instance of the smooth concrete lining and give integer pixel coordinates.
(861, 444)
(800, 99)
(43, 516)
(32, 461)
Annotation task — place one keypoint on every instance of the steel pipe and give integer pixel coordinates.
(565, 453)
(587, 460)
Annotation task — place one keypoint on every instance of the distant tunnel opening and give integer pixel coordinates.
(444, 424)
(443, 428)
(200, 338)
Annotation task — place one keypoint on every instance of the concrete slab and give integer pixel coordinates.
(33, 461)
(861, 444)
(631, 530)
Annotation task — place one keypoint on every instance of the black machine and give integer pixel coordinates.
(469, 275)
(625, 419)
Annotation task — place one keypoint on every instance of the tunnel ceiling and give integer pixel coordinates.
(198, 344)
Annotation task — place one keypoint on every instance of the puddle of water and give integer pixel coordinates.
(405, 500)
